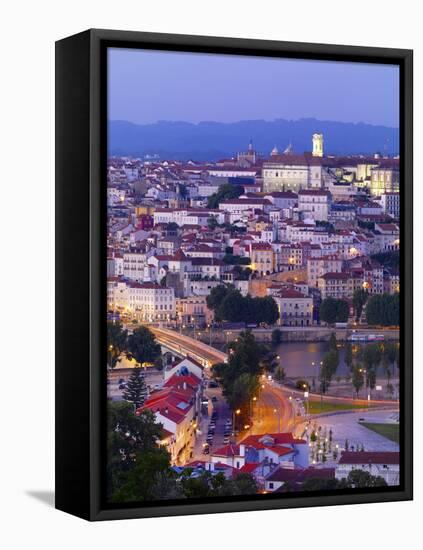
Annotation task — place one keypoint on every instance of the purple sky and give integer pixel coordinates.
(147, 86)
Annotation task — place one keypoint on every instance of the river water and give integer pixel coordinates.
(297, 359)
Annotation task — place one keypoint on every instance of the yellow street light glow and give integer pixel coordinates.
(238, 411)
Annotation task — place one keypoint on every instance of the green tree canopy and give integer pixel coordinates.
(357, 378)
(383, 309)
(328, 369)
(136, 388)
(230, 305)
(334, 311)
(117, 339)
(225, 192)
(143, 346)
(239, 377)
(137, 468)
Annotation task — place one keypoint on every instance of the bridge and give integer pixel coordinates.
(181, 345)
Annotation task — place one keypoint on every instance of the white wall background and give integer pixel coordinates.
(28, 32)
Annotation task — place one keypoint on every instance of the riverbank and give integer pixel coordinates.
(288, 334)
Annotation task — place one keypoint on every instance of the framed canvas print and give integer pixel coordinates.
(234, 274)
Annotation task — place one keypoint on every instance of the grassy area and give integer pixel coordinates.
(315, 407)
(390, 431)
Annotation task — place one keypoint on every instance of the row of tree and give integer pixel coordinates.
(363, 362)
(356, 479)
(381, 309)
(230, 305)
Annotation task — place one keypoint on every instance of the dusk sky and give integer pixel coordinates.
(147, 86)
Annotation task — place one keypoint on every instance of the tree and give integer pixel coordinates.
(212, 223)
(143, 346)
(333, 311)
(216, 296)
(359, 299)
(243, 484)
(390, 352)
(362, 479)
(333, 344)
(225, 192)
(383, 309)
(276, 337)
(136, 388)
(267, 310)
(357, 379)
(172, 227)
(137, 468)
(239, 377)
(280, 374)
(213, 485)
(328, 309)
(371, 356)
(230, 305)
(116, 342)
(349, 355)
(342, 311)
(328, 370)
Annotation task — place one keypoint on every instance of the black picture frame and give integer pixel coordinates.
(81, 148)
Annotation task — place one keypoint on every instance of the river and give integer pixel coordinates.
(297, 359)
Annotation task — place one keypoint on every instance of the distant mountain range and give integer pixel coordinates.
(215, 140)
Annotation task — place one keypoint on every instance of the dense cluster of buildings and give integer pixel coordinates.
(299, 227)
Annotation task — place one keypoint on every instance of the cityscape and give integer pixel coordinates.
(253, 320)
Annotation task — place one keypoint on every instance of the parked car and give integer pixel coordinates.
(226, 440)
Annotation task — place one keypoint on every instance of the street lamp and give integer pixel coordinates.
(277, 411)
(237, 412)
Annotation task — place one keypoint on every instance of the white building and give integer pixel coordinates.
(316, 267)
(295, 309)
(187, 216)
(144, 301)
(314, 204)
(383, 464)
(390, 203)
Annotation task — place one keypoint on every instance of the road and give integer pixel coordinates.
(185, 345)
(273, 411)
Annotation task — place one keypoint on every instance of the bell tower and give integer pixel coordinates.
(317, 145)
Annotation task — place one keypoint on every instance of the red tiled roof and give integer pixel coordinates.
(227, 450)
(179, 380)
(369, 457)
(261, 246)
(337, 276)
(300, 475)
(248, 468)
(290, 294)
